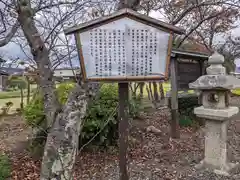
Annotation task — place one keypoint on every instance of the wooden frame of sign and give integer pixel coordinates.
(140, 56)
(120, 78)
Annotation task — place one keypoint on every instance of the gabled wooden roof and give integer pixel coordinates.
(179, 53)
(126, 12)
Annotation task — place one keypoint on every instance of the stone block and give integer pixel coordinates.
(214, 99)
(215, 155)
(216, 143)
(227, 170)
(216, 69)
(216, 114)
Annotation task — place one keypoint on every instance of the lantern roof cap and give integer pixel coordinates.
(216, 77)
(126, 12)
(211, 82)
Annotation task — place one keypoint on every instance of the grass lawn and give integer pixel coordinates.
(11, 94)
(16, 103)
(236, 92)
(16, 93)
(166, 89)
(14, 97)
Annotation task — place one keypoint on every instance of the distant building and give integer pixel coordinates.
(65, 73)
(12, 71)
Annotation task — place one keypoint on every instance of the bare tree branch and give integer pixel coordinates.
(198, 25)
(10, 35)
(51, 5)
(188, 10)
(203, 40)
(2, 20)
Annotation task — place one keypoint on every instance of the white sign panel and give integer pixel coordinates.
(125, 48)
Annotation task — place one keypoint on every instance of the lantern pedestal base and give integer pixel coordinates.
(226, 170)
(216, 114)
(215, 155)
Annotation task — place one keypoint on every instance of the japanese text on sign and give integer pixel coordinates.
(125, 52)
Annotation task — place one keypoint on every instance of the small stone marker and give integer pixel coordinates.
(215, 87)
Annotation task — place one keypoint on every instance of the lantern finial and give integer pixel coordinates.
(216, 58)
(216, 67)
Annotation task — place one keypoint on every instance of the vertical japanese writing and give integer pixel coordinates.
(107, 48)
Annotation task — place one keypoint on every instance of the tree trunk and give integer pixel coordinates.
(141, 89)
(41, 56)
(28, 90)
(21, 103)
(132, 4)
(148, 92)
(62, 142)
(161, 90)
(151, 95)
(155, 92)
(134, 87)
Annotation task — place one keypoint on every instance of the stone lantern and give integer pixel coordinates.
(215, 109)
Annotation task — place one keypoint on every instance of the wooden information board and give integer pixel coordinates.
(124, 46)
(187, 73)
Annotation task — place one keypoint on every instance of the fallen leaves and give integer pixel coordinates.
(153, 157)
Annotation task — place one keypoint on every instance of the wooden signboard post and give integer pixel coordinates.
(123, 47)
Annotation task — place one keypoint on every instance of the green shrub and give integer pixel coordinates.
(134, 106)
(186, 107)
(5, 167)
(63, 91)
(33, 112)
(101, 115)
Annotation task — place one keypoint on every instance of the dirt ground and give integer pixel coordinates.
(13, 132)
(151, 156)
